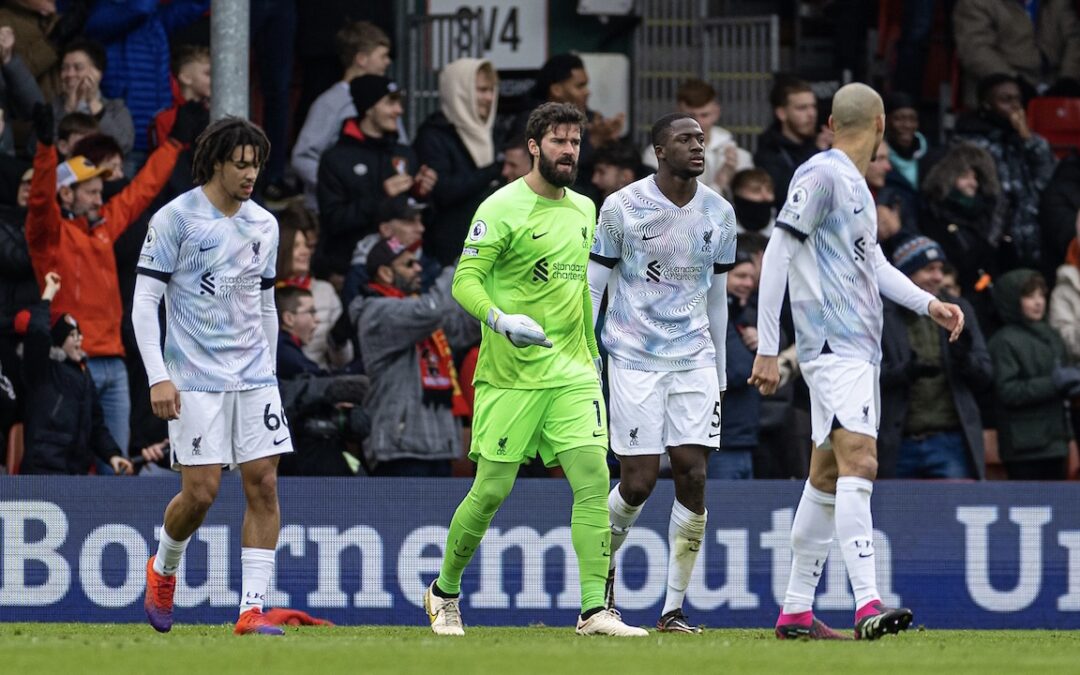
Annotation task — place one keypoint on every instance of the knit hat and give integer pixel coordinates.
(366, 91)
(76, 170)
(398, 208)
(915, 253)
(64, 325)
(898, 100)
(383, 253)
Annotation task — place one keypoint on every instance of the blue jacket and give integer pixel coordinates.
(135, 34)
(742, 403)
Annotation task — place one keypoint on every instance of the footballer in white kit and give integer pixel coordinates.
(212, 254)
(670, 241)
(825, 252)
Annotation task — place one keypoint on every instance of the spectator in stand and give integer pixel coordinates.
(40, 33)
(1030, 381)
(103, 152)
(398, 218)
(74, 127)
(1058, 209)
(563, 79)
(65, 429)
(364, 49)
(19, 92)
(930, 421)
(273, 39)
(794, 136)
(1038, 43)
(191, 70)
(135, 35)
(741, 402)
(1065, 298)
(723, 156)
(962, 211)
(365, 167)
(80, 91)
(415, 403)
(1024, 164)
(325, 412)
(907, 149)
(294, 269)
(456, 141)
(517, 161)
(753, 195)
(70, 230)
(18, 286)
(615, 166)
(891, 216)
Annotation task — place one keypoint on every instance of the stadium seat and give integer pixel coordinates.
(1058, 121)
(14, 449)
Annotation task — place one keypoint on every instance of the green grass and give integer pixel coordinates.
(208, 650)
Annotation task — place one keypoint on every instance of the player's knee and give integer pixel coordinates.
(691, 481)
(636, 489)
(487, 497)
(863, 465)
(201, 497)
(262, 492)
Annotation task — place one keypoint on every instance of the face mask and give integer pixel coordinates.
(753, 216)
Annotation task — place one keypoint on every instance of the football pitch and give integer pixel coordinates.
(208, 650)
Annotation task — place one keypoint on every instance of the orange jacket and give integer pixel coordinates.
(83, 255)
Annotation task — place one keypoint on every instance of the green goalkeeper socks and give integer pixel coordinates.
(586, 469)
(491, 486)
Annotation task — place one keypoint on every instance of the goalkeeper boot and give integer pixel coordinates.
(608, 622)
(158, 602)
(444, 613)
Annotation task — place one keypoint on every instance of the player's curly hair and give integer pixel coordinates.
(550, 115)
(218, 141)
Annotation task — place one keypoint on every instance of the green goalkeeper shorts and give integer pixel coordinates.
(512, 425)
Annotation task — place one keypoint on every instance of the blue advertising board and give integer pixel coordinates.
(362, 551)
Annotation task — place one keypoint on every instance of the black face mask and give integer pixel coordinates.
(753, 216)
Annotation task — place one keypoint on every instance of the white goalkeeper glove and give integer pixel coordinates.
(519, 329)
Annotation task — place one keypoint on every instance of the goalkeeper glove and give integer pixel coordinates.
(519, 329)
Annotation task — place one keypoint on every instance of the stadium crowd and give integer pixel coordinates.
(101, 102)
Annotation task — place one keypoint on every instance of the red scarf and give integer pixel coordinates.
(299, 281)
(437, 373)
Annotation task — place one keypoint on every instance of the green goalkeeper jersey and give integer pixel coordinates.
(526, 254)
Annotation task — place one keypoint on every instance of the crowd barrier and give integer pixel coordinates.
(362, 551)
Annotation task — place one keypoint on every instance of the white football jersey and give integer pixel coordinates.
(216, 269)
(666, 255)
(832, 280)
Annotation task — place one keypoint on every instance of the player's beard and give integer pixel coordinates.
(549, 170)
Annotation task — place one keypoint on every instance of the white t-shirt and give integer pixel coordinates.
(657, 319)
(215, 269)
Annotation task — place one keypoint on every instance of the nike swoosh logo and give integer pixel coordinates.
(597, 434)
(537, 236)
(277, 442)
(204, 250)
(865, 555)
(858, 211)
(644, 238)
(713, 435)
(816, 574)
(606, 554)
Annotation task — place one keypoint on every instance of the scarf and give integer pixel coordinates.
(299, 281)
(1072, 256)
(438, 376)
(457, 99)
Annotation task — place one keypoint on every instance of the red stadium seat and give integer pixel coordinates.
(14, 449)
(1058, 121)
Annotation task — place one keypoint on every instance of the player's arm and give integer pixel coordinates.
(605, 253)
(267, 304)
(156, 265)
(774, 273)
(589, 328)
(717, 309)
(488, 238)
(896, 286)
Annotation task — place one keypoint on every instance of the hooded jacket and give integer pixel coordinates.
(1030, 412)
(65, 428)
(459, 146)
(350, 189)
(779, 156)
(1024, 168)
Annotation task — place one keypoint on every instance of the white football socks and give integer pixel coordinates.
(685, 532)
(257, 565)
(855, 531)
(169, 553)
(811, 537)
(622, 517)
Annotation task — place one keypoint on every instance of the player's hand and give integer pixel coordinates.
(519, 329)
(121, 465)
(165, 400)
(765, 375)
(52, 286)
(395, 185)
(948, 316)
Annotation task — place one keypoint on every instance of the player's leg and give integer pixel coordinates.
(197, 441)
(686, 529)
(637, 427)
(573, 435)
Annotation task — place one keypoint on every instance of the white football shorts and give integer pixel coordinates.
(653, 411)
(844, 392)
(228, 428)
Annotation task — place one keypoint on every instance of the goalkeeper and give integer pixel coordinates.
(522, 273)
